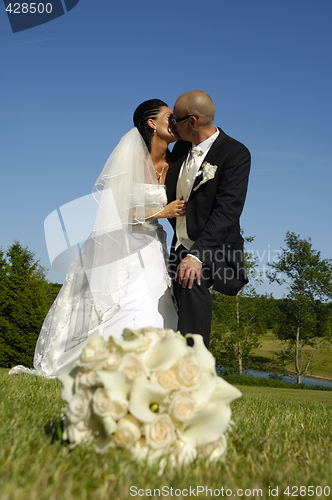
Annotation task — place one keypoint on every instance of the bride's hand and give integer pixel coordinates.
(176, 208)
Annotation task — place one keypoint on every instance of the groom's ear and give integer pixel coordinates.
(193, 121)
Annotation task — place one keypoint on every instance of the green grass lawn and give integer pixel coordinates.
(322, 362)
(280, 438)
(302, 395)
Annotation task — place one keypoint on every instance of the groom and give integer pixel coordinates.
(210, 171)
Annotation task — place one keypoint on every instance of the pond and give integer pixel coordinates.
(291, 379)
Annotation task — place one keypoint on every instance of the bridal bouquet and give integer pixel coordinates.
(149, 392)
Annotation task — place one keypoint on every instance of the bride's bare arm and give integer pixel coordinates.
(176, 208)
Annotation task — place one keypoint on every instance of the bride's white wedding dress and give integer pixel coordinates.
(119, 277)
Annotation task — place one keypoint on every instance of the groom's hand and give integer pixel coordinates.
(189, 269)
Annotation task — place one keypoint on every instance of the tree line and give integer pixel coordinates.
(302, 320)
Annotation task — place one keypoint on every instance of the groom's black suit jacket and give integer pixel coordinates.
(213, 210)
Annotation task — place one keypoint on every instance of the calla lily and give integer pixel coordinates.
(206, 425)
(165, 354)
(143, 395)
(129, 334)
(116, 383)
(153, 334)
(207, 387)
(225, 392)
(205, 359)
(68, 386)
(109, 425)
(125, 345)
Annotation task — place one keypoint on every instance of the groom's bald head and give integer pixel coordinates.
(197, 103)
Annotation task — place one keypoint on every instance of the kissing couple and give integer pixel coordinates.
(122, 276)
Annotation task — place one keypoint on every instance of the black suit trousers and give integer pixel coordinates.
(194, 305)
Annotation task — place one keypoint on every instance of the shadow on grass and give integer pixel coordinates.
(55, 429)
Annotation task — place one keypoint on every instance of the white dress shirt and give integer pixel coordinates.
(187, 175)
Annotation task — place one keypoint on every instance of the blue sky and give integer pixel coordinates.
(69, 89)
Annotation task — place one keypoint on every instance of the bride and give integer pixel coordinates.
(118, 279)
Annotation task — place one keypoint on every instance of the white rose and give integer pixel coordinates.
(140, 451)
(153, 336)
(94, 353)
(184, 453)
(208, 172)
(87, 379)
(103, 404)
(77, 433)
(165, 378)
(128, 431)
(160, 433)
(182, 406)
(188, 372)
(133, 367)
(78, 408)
(214, 450)
(150, 337)
(112, 362)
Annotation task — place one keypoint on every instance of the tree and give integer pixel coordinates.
(235, 320)
(25, 297)
(303, 320)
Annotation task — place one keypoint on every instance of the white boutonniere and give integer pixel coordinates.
(208, 171)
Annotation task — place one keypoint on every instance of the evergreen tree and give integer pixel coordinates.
(25, 297)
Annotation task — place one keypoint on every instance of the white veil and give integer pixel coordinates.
(99, 273)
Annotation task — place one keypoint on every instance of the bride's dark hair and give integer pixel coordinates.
(145, 111)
